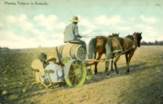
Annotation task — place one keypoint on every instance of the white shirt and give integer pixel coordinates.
(56, 74)
(71, 32)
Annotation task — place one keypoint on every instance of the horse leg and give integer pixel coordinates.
(110, 64)
(91, 64)
(130, 56)
(129, 59)
(95, 71)
(127, 63)
(96, 63)
(115, 64)
(107, 64)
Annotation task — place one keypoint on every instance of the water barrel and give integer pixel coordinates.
(73, 51)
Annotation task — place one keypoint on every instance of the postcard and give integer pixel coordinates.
(81, 52)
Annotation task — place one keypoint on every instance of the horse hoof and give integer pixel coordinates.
(108, 73)
(127, 72)
(117, 72)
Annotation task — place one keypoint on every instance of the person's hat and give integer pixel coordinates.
(51, 58)
(75, 19)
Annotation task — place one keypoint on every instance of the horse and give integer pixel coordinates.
(117, 45)
(97, 46)
(128, 46)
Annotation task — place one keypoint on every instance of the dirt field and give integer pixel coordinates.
(144, 84)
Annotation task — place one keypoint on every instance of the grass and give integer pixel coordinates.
(144, 84)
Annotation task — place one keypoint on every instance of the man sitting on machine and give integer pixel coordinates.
(71, 33)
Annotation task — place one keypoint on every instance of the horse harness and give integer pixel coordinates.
(122, 51)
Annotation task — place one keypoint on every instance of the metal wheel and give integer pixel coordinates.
(75, 73)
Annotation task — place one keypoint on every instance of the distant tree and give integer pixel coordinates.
(156, 42)
(144, 43)
(4, 48)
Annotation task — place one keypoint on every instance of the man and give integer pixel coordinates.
(53, 71)
(71, 32)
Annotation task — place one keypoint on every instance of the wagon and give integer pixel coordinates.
(71, 58)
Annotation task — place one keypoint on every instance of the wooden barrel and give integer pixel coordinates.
(73, 51)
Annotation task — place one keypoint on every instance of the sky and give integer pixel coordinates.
(40, 23)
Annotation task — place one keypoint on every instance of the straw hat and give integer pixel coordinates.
(51, 58)
(75, 19)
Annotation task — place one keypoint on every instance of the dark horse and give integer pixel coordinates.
(119, 46)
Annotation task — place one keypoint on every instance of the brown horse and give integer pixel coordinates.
(127, 45)
(97, 47)
(118, 47)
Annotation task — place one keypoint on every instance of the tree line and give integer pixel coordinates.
(4, 48)
(142, 43)
(152, 43)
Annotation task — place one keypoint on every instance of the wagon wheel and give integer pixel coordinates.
(75, 73)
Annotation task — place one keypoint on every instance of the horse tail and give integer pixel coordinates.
(92, 49)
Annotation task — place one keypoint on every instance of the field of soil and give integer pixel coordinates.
(143, 85)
